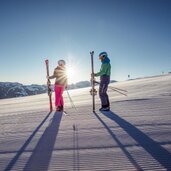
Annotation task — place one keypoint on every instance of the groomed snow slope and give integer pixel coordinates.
(135, 135)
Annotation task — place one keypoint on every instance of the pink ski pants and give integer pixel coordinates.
(59, 89)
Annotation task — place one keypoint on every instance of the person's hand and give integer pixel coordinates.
(92, 74)
(47, 77)
(92, 80)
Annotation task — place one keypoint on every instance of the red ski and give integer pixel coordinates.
(49, 85)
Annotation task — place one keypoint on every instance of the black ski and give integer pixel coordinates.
(93, 91)
(49, 85)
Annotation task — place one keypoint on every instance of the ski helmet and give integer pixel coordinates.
(60, 62)
(103, 54)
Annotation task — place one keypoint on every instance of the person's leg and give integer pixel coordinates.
(104, 82)
(107, 98)
(58, 96)
(57, 99)
(62, 100)
(103, 95)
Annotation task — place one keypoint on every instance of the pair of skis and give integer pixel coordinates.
(49, 85)
(93, 91)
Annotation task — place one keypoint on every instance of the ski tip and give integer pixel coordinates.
(92, 52)
(46, 61)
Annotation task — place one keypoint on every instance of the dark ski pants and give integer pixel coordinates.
(103, 91)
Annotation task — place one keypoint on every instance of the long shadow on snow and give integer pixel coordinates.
(123, 148)
(40, 158)
(22, 149)
(152, 147)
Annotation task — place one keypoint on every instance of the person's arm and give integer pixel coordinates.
(52, 76)
(102, 71)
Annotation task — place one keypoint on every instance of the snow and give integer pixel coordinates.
(135, 135)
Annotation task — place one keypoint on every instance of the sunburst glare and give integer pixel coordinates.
(71, 72)
(72, 68)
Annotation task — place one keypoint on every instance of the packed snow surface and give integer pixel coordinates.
(134, 135)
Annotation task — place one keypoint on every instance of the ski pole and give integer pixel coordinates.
(119, 89)
(71, 101)
(115, 89)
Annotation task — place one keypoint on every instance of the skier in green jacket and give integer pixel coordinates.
(104, 74)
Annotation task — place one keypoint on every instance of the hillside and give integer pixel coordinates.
(134, 135)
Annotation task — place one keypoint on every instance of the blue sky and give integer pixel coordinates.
(135, 33)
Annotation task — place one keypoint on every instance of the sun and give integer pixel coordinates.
(71, 73)
(73, 69)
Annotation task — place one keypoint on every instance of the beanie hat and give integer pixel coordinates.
(60, 62)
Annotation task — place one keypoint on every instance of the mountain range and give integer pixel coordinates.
(15, 89)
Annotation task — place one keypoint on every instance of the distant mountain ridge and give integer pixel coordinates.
(15, 89)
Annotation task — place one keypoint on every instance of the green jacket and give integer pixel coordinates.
(104, 70)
